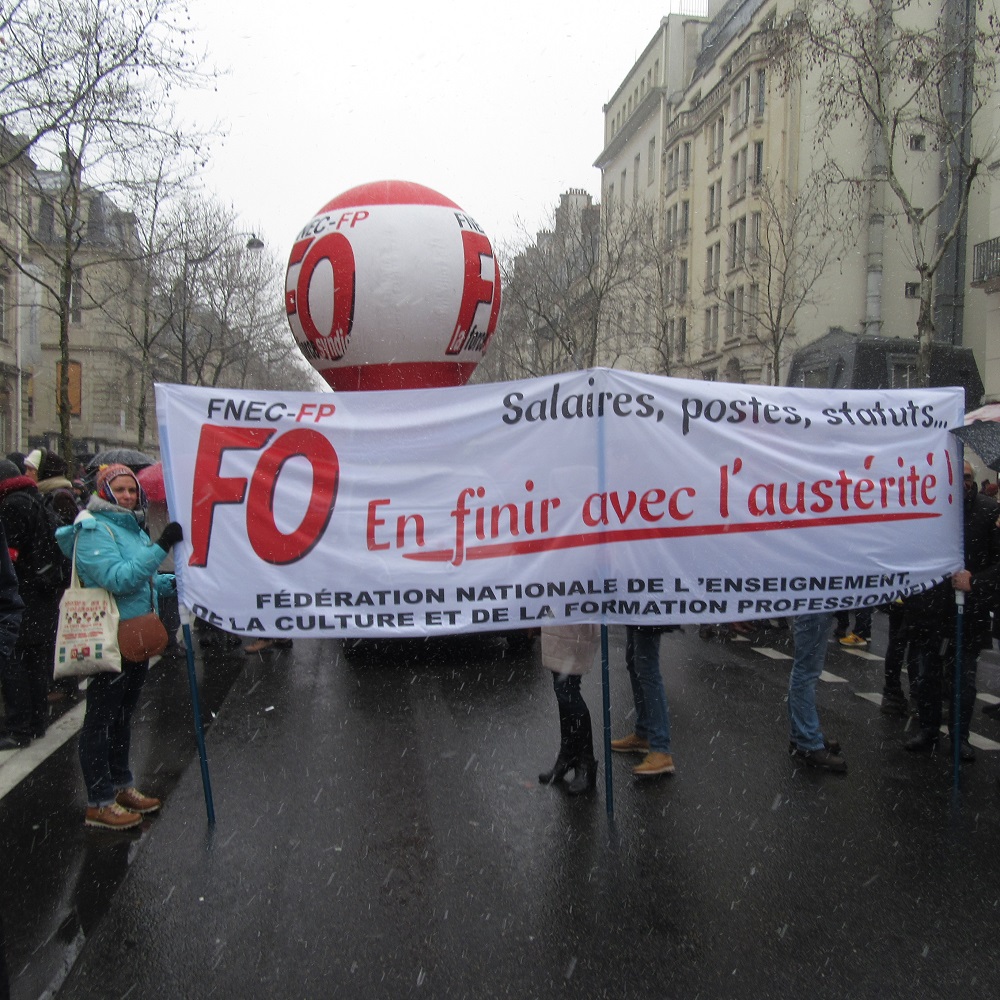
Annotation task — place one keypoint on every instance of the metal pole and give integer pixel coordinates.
(199, 729)
(956, 703)
(609, 790)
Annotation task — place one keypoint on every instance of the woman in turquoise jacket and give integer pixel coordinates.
(113, 551)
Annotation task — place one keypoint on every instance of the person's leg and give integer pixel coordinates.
(120, 734)
(652, 711)
(863, 623)
(16, 687)
(811, 633)
(104, 696)
(638, 699)
(38, 668)
(927, 643)
(843, 624)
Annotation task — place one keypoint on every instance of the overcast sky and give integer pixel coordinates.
(497, 107)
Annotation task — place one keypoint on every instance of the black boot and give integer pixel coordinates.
(559, 768)
(585, 778)
(585, 765)
(567, 749)
(924, 742)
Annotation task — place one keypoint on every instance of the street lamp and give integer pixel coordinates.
(253, 244)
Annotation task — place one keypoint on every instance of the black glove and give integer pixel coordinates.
(172, 534)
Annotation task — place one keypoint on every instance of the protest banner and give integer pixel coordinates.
(600, 495)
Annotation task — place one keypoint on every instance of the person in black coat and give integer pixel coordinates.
(930, 623)
(42, 574)
(11, 609)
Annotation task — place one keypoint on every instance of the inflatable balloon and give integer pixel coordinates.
(392, 286)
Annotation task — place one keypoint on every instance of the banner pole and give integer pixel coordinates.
(956, 701)
(199, 729)
(609, 790)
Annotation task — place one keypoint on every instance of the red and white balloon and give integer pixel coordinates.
(392, 286)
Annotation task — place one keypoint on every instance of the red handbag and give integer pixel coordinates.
(142, 637)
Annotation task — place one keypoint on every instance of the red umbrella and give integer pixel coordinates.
(151, 480)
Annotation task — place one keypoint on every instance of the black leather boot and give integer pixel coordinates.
(567, 750)
(924, 742)
(585, 776)
(559, 768)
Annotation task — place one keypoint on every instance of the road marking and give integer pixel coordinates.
(981, 742)
(16, 765)
(832, 678)
(771, 654)
(860, 654)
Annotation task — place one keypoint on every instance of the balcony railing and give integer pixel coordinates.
(986, 265)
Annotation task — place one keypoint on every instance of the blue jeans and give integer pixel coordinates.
(106, 736)
(652, 715)
(811, 634)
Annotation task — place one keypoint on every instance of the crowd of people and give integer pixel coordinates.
(43, 517)
(922, 636)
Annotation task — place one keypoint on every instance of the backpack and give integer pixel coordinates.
(42, 569)
(62, 502)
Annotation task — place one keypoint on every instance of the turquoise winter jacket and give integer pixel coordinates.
(114, 552)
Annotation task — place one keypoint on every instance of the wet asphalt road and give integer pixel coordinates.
(381, 833)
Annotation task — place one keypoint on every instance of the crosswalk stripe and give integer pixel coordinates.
(16, 765)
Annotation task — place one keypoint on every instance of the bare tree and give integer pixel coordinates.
(915, 86)
(91, 85)
(222, 305)
(776, 263)
(62, 59)
(562, 291)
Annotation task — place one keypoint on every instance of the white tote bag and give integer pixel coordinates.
(87, 637)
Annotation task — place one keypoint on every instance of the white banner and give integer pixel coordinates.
(602, 496)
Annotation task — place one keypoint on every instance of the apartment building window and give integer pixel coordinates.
(685, 221)
(623, 189)
(902, 375)
(711, 340)
(668, 283)
(918, 143)
(713, 260)
(911, 290)
(738, 176)
(755, 221)
(682, 278)
(656, 72)
(3, 310)
(730, 314)
(611, 194)
(686, 163)
(682, 336)
(761, 94)
(46, 220)
(714, 206)
(6, 194)
(752, 309)
(76, 296)
(650, 166)
(75, 388)
(758, 164)
(672, 171)
(741, 105)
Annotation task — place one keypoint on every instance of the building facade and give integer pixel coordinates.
(730, 152)
(94, 259)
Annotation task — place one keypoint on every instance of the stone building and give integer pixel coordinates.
(730, 156)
